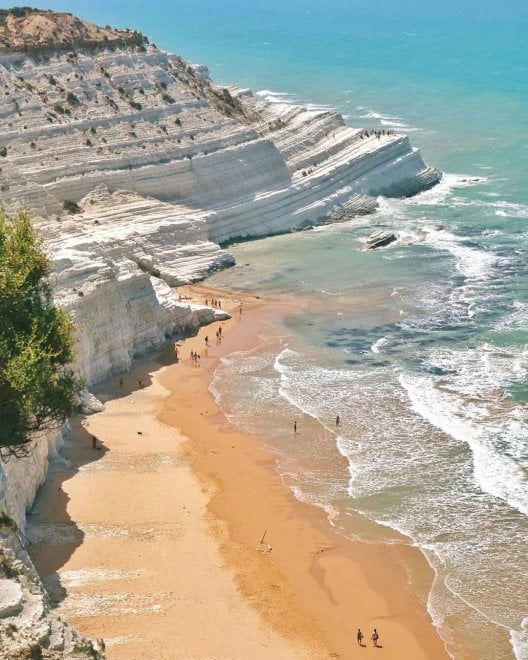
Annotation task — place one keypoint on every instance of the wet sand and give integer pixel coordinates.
(156, 536)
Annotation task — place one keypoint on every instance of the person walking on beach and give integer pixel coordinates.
(140, 382)
(375, 637)
(359, 637)
(207, 340)
(295, 426)
(94, 442)
(338, 420)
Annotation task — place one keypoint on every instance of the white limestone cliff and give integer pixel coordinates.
(136, 168)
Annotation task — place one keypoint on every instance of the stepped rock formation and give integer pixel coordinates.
(136, 169)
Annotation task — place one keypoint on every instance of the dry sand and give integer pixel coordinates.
(156, 538)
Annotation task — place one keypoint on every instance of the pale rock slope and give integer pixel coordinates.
(136, 169)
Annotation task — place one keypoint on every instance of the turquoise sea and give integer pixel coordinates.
(421, 347)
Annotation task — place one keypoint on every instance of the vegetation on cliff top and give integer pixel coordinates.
(36, 390)
(25, 29)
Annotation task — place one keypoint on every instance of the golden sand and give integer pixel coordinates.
(165, 560)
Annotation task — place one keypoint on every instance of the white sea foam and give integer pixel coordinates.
(276, 97)
(372, 114)
(396, 124)
(519, 640)
(496, 470)
(473, 263)
(269, 92)
(391, 491)
(292, 390)
(320, 107)
(449, 182)
(284, 97)
(391, 121)
(510, 210)
(378, 345)
(516, 320)
(329, 293)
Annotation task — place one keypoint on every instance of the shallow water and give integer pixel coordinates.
(420, 348)
(432, 421)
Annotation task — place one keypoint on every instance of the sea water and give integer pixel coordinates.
(421, 347)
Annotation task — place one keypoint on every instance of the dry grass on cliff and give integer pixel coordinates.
(23, 29)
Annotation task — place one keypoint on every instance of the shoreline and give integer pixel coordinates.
(182, 549)
(316, 561)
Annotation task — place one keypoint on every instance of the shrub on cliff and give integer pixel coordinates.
(70, 206)
(72, 99)
(36, 390)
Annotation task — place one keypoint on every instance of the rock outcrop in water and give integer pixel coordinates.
(137, 168)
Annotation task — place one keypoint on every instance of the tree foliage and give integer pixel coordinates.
(37, 391)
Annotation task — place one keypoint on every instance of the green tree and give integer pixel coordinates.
(37, 391)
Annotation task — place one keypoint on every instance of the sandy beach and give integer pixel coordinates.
(155, 535)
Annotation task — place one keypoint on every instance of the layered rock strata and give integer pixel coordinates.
(136, 169)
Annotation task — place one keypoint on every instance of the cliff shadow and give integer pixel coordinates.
(139, 376)
(51, 534)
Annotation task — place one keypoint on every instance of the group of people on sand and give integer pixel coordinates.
(215, 302)
(218, 337)
(195, 358)
(374, 637)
